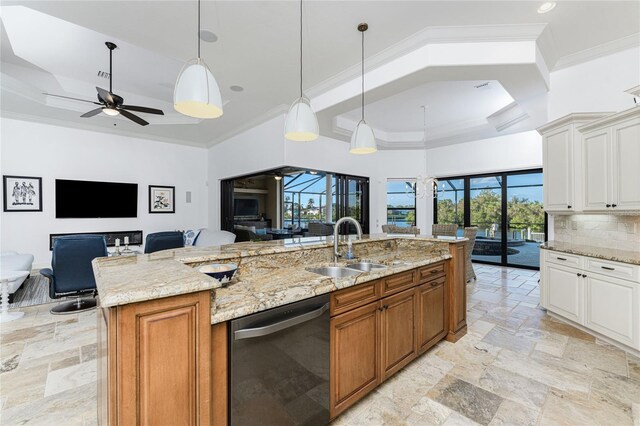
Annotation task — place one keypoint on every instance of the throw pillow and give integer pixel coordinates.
(190, 236)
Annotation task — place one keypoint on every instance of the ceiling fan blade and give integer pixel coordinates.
(105, 96)
(143, 109)
(133, 117)
(73, 99)
(92, 112)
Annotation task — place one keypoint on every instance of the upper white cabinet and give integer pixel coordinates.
(611, 158)
(592, 162)
(561, 148)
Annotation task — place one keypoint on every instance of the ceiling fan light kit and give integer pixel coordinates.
(196, 93)
(301, 124)
(363, 140)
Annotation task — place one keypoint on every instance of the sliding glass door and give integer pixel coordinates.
(505, 207)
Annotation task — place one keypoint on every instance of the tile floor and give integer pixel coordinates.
(516, 366)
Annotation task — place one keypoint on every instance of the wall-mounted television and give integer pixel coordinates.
(87, 199)
(246, 207)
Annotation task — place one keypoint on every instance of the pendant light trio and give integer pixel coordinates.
(197, 95)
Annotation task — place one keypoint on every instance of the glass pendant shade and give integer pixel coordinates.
(363, 141)
(197, 93)
(301, 124)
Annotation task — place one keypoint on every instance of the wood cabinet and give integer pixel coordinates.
(355, 357)
(598, 295)
(398, 340)
(561, 162)
(611, 154)
(379, 327)
(433, 315)
(162, 352)
(457, 289)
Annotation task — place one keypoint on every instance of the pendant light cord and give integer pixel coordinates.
(362, 75)
(301, 48)
(110, 71)
(198, 29)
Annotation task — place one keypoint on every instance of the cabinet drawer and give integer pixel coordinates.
(353, 297)
(564, 259)
(612, 269)
(398, 282)
(430, 272)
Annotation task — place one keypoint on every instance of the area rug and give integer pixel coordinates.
(34, 291)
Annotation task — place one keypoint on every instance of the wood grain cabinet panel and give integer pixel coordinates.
(398, 282)
(355, 360)
(398, 342)
(457, 293)
(432, 316)
(164, 361)
(430, 272)
(353, 297)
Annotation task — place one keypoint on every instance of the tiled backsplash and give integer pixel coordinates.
(621, 232)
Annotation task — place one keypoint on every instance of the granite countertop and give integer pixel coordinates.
(123, 280)
(624, 256)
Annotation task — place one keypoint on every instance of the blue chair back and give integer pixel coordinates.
(71, 262)
(163, 241)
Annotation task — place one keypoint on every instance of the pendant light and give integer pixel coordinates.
(196, 93)
(301, 124)
(363, 141)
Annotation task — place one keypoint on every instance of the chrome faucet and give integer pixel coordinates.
(336, 228)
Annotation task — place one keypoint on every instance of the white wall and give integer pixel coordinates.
(595, 86)
(52, 152)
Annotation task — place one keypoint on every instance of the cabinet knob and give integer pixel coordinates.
(568, 207)
(385, 306)
(608, 205)
(579, 274)
(614, 205)
(381, 309)
(584, 276)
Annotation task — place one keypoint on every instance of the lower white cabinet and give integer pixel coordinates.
(600, 301)
(612, 308)
(565, 292)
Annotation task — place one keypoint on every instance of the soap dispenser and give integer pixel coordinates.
(349, 255)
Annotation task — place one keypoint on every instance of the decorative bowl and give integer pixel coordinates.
(222, 272)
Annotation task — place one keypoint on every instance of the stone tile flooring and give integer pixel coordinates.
(516, 366)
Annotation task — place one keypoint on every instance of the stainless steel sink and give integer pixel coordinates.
(366, 266)
(334, 271)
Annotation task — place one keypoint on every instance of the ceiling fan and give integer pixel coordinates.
(112, 104)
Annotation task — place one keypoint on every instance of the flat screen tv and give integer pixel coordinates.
(245, 207)
(87, 199)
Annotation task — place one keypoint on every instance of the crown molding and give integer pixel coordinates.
(508, 116)
(574, 118)
(634, 91)
(598, 51)
(611, 118)
(431, 35)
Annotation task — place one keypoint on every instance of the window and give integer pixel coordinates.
(401, 202)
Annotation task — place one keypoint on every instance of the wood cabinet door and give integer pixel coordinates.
(625, 165)
(432, 316)
(564, 288)
(397, 332)
(164, 353)
(612, 308)
(559, 170)
(355, 357)
(595, 148)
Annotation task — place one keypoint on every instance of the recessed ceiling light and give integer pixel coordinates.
(236, 88)
(208, 36)
(547, 7)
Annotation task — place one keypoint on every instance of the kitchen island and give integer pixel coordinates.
(164, 326)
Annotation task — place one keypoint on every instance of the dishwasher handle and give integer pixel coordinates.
(248, 333)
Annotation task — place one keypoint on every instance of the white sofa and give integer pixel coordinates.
(12, 261)
(208, 238)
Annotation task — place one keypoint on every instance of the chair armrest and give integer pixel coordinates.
(48, 273)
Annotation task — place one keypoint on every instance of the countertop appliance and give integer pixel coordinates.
(279, 365)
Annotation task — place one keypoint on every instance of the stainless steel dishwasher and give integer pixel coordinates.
(279, 362)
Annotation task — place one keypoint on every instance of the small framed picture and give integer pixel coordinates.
(162, 199)
(22, 194)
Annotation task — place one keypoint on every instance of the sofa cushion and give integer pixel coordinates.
(16, 262)
(190, 236)
(208, 238)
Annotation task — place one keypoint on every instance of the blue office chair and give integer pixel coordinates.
(163, 241)
(72, 274)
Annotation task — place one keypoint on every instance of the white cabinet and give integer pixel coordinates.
(610, 162)
(596, 294)
(564, 292)
(561, 161)
(612, 308)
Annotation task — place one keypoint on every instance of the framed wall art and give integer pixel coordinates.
(22, 193)
(162, 199)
